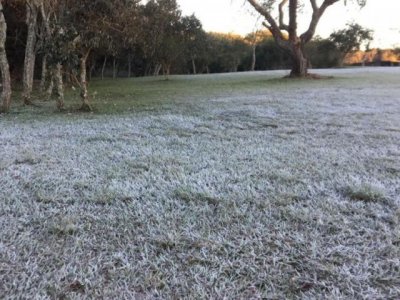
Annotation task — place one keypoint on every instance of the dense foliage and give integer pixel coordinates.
(128, 38)
(67, 42)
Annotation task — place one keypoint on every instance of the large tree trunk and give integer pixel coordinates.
(83, 84)
(30, 55)
(299, 62)
(4, 67)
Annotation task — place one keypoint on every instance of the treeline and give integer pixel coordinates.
(61, 42)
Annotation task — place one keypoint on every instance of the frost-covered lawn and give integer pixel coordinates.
(238, 186)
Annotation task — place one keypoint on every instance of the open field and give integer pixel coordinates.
(235, 186)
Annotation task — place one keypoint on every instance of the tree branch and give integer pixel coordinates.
(314, 5)
(272, 24)
(316, 16)
(282, 24)
(293, 20)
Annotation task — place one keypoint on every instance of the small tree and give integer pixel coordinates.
(254, 39)
(194, 38)
(351, 39)
(295, 43)
(83, 20)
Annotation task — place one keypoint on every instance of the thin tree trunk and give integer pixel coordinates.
(92, 68)
(49, 90)
(253, 58)
(60, 87)
(157, 70)
(194, 66)
(168, 71)
(129, 65)
(46, 25)
(30, 55)
(104, 67)
(44, 74)
(114, 68)
(83, 84)
(4, 66)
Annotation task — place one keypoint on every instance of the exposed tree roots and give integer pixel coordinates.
(308, 76)
(86, 107)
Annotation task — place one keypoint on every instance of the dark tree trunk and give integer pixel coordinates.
(166, 68)
(129, 65)
(4, 66)
(92, 68)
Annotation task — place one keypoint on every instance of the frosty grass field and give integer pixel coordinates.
(232, 186)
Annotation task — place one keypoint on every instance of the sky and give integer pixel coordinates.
(236, 16)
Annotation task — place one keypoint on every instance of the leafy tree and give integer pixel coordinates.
(80, 25)
(159, 22)
(254, 39)
(194, 40)
(295, 43)
(323, 53)
(270, 56)
(351, 39)
(226, 52)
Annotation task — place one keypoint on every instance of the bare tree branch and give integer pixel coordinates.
(293, 20)
(282, 24)
(272, 24)
(314, 5)
(317, 14)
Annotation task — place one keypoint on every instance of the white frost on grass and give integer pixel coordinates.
(289, 191)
